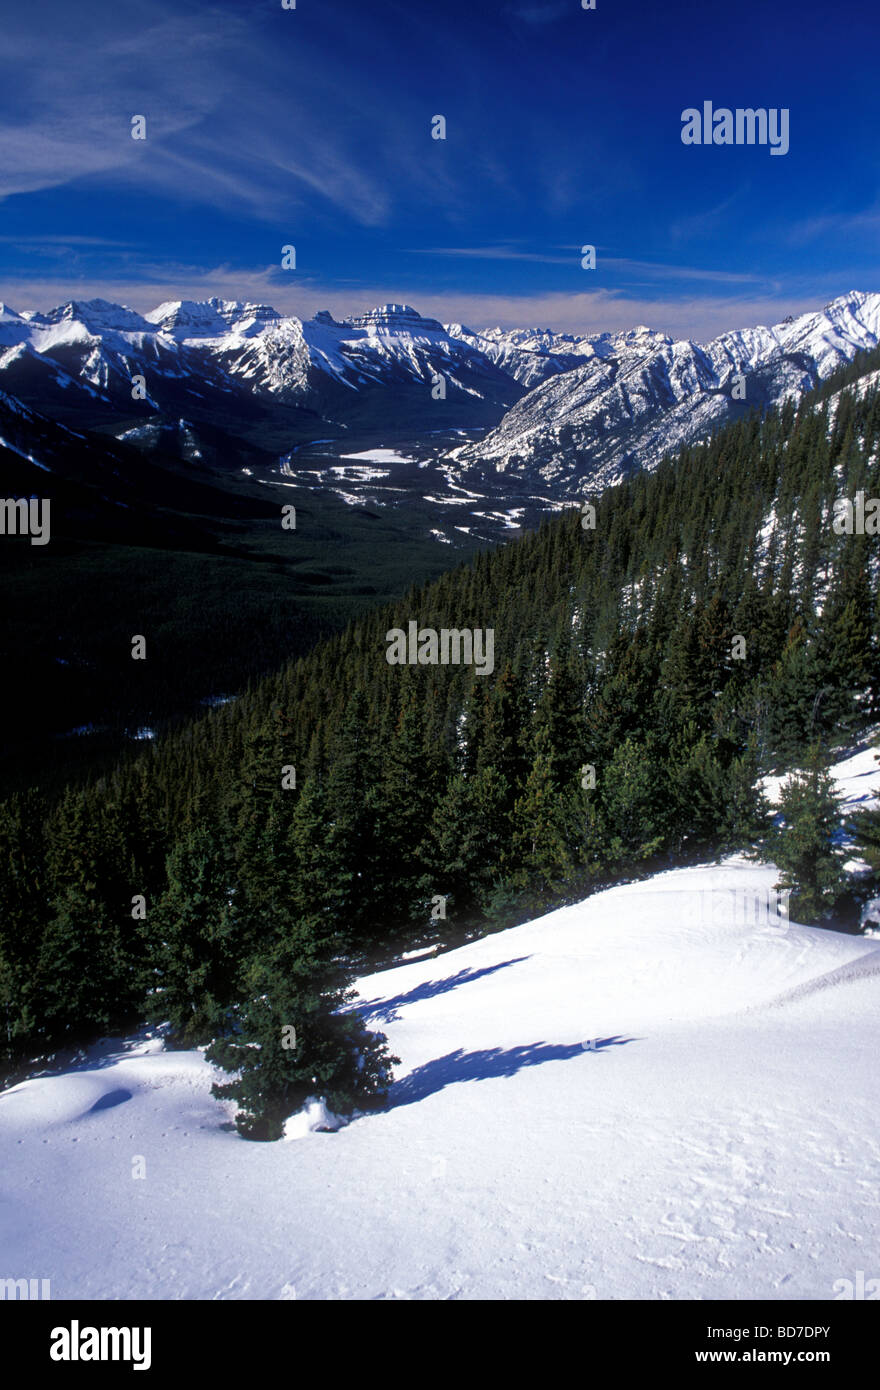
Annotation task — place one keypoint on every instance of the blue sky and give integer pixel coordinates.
(312, 127)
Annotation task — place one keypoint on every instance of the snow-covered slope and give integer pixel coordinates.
(185, 319)
(661, 1092)
(295, 360)
(532, 355)
(85, 354)
(639, 396)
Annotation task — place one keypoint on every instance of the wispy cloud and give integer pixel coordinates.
(59, 245)
(707, 221)
(541, 14)
(493, 253)
(824, 225)
(231, 122)
(569, 256)
(660, 270)
(79, 124)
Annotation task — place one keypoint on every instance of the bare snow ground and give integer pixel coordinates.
(656, 1093)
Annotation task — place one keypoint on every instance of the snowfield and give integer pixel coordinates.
(380, 456)
(663, 1092)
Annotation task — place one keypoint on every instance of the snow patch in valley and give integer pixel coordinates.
(379, 456)
(355, 473)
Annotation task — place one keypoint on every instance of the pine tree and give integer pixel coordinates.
(805, 847)
(561, 711)
(352, 852)
(542, 853)
(413, 777)
(466, 843)
(696, 787)
(197, 948)
(866, 825)
(83, 985)
(797, 697)
(844, 657)
(292, 1039)
(634, 802)
(745, 818)
(22, 918)
(314, 890)
(263, 812)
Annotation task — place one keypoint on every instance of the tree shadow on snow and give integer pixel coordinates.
(385, 1011)
(85, 1056)
(111, 1099)
(490, 1062)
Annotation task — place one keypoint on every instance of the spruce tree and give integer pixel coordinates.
(542, 855)
(413, 777)
(23, 916)
(866, 825)
(745, 818)
(634, 810)
(83, 984)
(197, 948)
(805, 847)
(292, 1039)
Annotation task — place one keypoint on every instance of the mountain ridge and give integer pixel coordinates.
(565, 412)
(629, 405)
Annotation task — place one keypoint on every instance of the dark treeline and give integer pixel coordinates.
(709, 628)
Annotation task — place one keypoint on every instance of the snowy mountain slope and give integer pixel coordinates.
(187, 319)
(532, 355)
(656, 1093)
(83, 356)
(623, 408)
(857, 388)
(856, 780)
(322, 363)
(287, 400)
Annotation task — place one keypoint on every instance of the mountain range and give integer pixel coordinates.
(525, 420)
(611, 404)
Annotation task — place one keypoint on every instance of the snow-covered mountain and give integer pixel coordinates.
(250, 350)
(319, 361)
(662, 1092)
(532, 355)
(566, 414)
(631, 398)
(83, 356)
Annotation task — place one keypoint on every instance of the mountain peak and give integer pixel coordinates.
(209, 318)
(97, 316)
(396, 317)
